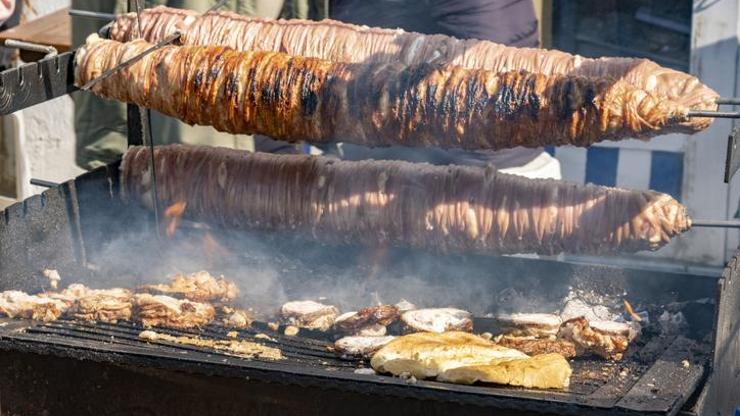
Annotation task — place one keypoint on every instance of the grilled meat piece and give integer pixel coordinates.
(307, 99)
(342, 42)
(528, 324)
(161, 310)
(361, 345)
(17, 304)
(199, 287)
(239, 348)
(438, 320)
(535, 346)
(608, 340)
(104, 305)
(370, 317)
(460, 357)
(309, 314)
(235, 317)
(377, 203)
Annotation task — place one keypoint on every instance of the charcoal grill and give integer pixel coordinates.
(68, 367)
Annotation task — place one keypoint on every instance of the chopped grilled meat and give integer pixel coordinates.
(354, 322)
(239, 348)
(403, 305)
(161, 310)
(234, 317)
(528, 324)
(309, 314)
(104, 305)
(361, 345)
(199, 287)
(53, 276)
(438, 320)
(459, 357)
(443, 208)
(17, 304)
(609, 345)
(375, 104)
(375, 330)
(342, 42)
(535, 346)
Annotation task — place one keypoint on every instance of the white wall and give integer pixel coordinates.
(49, 139)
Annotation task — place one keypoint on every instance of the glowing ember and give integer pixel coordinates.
(173, 213)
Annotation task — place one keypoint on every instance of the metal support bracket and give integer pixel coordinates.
(732, 161)
(36, 82)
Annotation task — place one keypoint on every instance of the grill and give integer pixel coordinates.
(105, 369)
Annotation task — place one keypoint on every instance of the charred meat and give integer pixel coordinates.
(309, 314)
(371, 318)
(608, 340)
(198, 287)
(535, 346)
(238, 348)
(361, 345)
(343, 42)
(160, 310)
(398, 203)
(528, 324)
(375, 104)
(437, 320)
(17, 304)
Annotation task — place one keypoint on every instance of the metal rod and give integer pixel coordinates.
(728, 100)
(716, 223)
(47, 50)
(43, 183)
(92, 15)
(713, 114)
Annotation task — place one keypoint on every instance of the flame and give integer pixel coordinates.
(631, 311)
(173, 213)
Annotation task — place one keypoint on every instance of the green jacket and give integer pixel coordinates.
(100, 125)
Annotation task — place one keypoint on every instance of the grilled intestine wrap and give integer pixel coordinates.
(442, 208)
(343, 42)
(374, 104)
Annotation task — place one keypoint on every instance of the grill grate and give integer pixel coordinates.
(595, 383)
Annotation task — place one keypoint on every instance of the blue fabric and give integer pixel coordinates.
(666, 172)
(601, 165)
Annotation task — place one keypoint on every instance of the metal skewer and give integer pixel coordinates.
(91, 15)
(164, 42)
(728, 101)
(715, 223)
(713, 114)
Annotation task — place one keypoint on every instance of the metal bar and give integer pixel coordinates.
(92, 15)
(716, 223)
(728, 101)
(43, 183)
(713, 114)
(48, 51)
